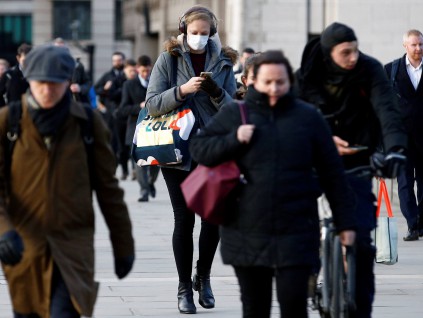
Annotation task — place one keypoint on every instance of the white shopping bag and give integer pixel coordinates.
(385, 235)
(386, 240)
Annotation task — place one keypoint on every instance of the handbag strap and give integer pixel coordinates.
(174, 70)
(383, 191)
(243, 111)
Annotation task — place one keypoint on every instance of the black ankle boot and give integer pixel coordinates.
(185, 298)
(201, 283)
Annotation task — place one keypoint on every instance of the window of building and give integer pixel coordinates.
(72, 19)
(14, 30)
(118, 20)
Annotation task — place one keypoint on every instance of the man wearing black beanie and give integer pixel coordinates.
(355, 96)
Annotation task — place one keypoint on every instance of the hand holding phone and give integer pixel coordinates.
(209, 85)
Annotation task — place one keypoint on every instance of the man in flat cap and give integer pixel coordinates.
(354, 94)
(46, 211)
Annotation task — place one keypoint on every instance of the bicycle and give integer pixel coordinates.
(334, 296)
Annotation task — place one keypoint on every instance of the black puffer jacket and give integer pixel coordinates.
(360, 106)
(275, 222)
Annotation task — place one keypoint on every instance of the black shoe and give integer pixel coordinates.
(412, 235)
(201, 283)
(124, 176)
(144, 198)
(152, 190)
(185, 298)
(421, 232)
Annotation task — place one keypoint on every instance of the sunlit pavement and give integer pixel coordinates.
(150, 290)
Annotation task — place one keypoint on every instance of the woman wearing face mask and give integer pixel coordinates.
(273, 231)
(196, 49)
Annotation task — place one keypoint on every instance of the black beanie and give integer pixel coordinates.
(335, 34)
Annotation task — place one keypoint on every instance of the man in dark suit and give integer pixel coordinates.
(133, 100)
(12, 83)
(405, 77)
(120, 123)
(107, 104)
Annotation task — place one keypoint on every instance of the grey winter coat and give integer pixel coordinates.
(162, 97)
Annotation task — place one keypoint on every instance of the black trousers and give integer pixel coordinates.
(146, 176)
(123, 153)
(182, 240)
(411, 203)
(256, 290)
(365, 251)
(61, 305)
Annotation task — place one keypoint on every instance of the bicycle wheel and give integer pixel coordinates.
(338, 273)
(350, 280)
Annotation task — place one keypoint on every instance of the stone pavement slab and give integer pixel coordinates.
(150, 290)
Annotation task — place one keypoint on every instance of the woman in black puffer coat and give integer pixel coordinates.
(287, 155)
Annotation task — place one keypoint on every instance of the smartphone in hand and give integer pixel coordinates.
(358, 147)
(206, 74)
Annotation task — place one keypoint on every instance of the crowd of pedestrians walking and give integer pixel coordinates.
(63, 136)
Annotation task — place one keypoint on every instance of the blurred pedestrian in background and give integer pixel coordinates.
(133, 100)
(13, 84)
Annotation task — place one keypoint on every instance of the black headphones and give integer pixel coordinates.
(183, 25)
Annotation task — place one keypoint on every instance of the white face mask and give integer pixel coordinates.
(197, 42)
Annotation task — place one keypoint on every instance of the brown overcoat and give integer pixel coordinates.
(50, 205)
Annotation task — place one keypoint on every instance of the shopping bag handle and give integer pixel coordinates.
(383, 191)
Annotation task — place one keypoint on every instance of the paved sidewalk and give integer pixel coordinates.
(150, 290)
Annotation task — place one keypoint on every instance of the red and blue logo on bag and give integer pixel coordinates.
(163, 140)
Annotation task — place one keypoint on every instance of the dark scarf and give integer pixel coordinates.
(48, 121)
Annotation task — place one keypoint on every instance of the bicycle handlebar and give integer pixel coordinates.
(363, 171)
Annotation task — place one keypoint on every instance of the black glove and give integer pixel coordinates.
(390, 165)
(11, 248)
(394, 163)
(211, 87)
(123, 265)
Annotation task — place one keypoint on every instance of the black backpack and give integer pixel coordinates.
(394, 71)
(13, 132)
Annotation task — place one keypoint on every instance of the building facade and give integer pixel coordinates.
(97, 28)
(92, 29)
(279, 24)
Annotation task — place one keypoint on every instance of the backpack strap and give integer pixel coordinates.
(13, 131)
(243, 110)
(394, 71)
(174, 70)
(88, 138)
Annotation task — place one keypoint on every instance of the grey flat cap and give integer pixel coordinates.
(49, 63)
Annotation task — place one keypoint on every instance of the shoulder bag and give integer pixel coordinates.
(164, 140)
(207, 188)
(385, 235)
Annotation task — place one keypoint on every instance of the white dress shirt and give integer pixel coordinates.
(415, 73)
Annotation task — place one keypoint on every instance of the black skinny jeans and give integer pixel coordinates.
(182, 241)
(256, 290)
